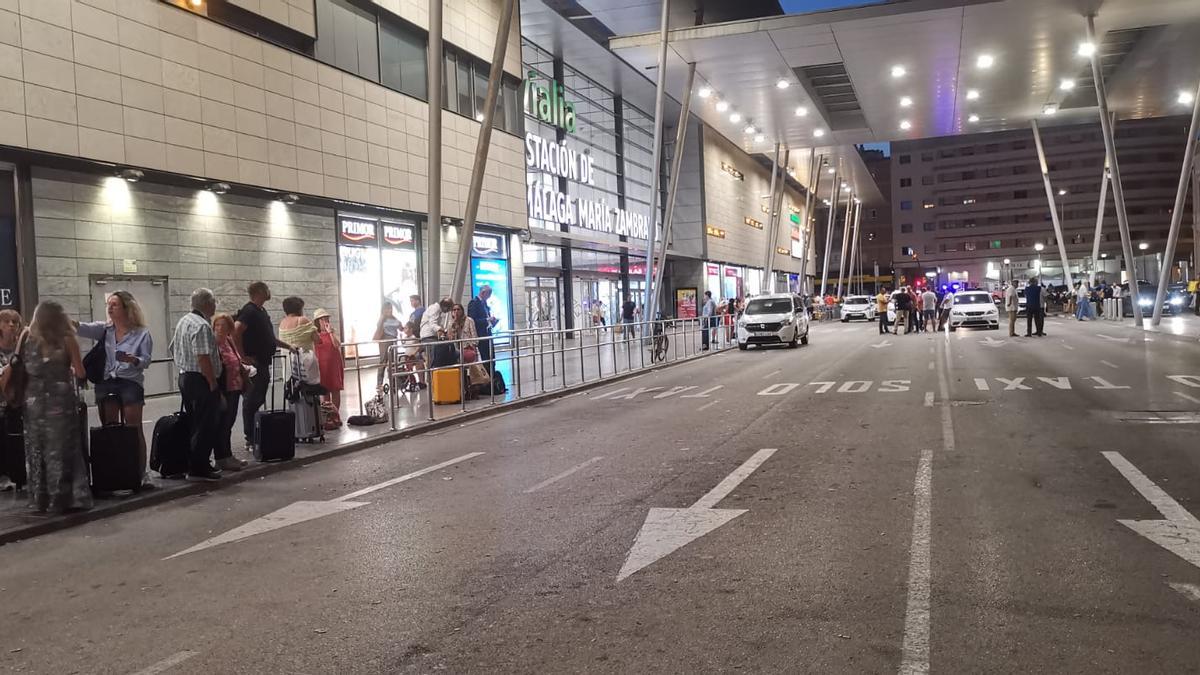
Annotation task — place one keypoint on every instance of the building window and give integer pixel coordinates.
(993, 171)
(874, 214)
(1018, 145)
(991, 147)
(927, 204)
(348, 39)
(905, 182)
(1020, 194)
(905, 159)
(929, 227)
(926, 156)
(1020, 169)
(967, 152)
(402, 59)
(946, 153)
(906, 205)
(906, 251)
(968, 246)
(968, 175)
(927, 180)
(928, 249)
(906, 228)
(995, 243)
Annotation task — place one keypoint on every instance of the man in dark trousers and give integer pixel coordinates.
(254, 335)
(1034, 313)
(479, 312)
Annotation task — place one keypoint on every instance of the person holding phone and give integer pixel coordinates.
(128, 348)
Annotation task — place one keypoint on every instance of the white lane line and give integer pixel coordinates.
(568, 472)
(708, 405)
(406, 477)
(1110, 365)
(773, 372)
(1067, 346)
(167, 663)
(727, 485)
(929, 399)
(1189, 591)
(1188, 397)
(931, 366)
(489, 418)
(916, 614)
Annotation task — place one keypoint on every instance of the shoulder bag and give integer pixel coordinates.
(96, 360)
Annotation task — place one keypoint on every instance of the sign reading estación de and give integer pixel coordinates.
(547, 159)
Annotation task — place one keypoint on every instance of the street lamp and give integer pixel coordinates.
(1062, 205)
(1039, 246)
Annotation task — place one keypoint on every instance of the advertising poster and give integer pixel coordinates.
(362, 292)
(399, 269)
(494, 272)
(685, 303)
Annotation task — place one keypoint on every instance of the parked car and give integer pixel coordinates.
(1173, 303)
(974, 308)
(774, 319)
(858, 307)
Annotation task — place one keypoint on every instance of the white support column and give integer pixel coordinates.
(776, 219)
(656, 155)
(810, 202)
(483, 144)
(672, 190)
(829, 233)
(1168, 261)
(1099, 224)
(1196, 223)
(433, 57)
(845, 239)
(1058, 235)
(770, 211)
(854, 246)
(1110, 149)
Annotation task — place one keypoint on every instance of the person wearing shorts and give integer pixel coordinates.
(929, 305)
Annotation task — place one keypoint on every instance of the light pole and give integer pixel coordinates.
(1142, 246)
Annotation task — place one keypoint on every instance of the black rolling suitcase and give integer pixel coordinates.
(170, 445)
(114, 456)
(274, 432)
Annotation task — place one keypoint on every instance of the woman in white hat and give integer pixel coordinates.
(329, 357)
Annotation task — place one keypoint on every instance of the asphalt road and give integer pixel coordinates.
(913, 503)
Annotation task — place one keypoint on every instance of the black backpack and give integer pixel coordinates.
(170, 445)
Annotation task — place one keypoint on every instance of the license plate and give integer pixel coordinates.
(763, 333)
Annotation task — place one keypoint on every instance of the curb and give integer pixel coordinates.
(55, 524)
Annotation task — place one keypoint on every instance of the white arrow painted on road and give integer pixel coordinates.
(991, 342)
(300, 512)
(1179, 533)
(667, 530)
(885, 343)
(1109, 337)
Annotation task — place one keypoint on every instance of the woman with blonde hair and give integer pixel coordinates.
(128, 348)
(58, 471)
(12, 447)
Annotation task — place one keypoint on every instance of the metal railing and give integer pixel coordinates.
(536, 361)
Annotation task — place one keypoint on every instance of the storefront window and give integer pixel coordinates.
(489, 266)
(377, 263)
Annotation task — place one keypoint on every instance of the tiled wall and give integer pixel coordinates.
(87, 224)
(147, 84)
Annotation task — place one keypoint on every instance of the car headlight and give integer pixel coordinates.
(1145, 302)
(1176, 301)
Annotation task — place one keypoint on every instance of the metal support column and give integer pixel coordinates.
(656, 154)
(1099, 224)
(672, 191)
(482, 145)
(808, 229)
(434, 61)
(829, 234)
(1110, 149)
(854, 245)
(1196, 225)
(1168, 262)
(776, 219)
(1058, 235)
(770, 208)
(845, 239)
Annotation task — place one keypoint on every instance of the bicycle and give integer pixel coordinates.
(659, 343)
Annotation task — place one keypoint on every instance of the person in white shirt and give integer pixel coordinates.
(434, 325)
(929, 309)
(1012, 306)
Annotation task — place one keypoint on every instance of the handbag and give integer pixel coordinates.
(469, 354)
(16, 377)
(96, 359)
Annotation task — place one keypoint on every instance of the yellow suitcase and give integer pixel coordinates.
(447, 385)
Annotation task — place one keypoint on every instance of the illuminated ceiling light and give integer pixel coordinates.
(1185, 98)
(1050, 109)
(984, 61)
(750, 129)
(705, 92)
(735, 118)
(782, 84)
(195, 3)
(289, 198)
(759, 138)
(973, 118)
(801, 111)
(131, 175)
(905, 125)
(1066, 84)
(826, 202)
(1143, 246)
(218, 188)
(905, 101)
(1061, 192)
(972, 94)
(722, 106)
(817, 133)
(479, 117)
(831, 171)
(845, 188)
(1039, 246)
(898, 71)
(1086, 49)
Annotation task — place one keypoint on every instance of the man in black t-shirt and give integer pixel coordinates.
(627, 316)
(254, 336)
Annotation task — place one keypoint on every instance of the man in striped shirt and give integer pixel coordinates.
(194, 349)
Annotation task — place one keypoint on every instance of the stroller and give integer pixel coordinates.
(303, 392)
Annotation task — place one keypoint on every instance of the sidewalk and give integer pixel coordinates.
(541, 373)
(1184, 326)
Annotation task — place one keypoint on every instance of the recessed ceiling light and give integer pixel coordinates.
(1050, 109)
(131, 175)
(973, 118)
(905, 101)
(218, 188)
(1086, 49)
(1066, 84)
(845, 188)
(782, 84)
(750, 129)
(1184, 98)
(905, 125)
(479, 117)
(722, 106)
(984, 61)
(898, 71)
(705, 92)
(759, 138)
(290, 198)
(972, 94)
(735, 117)
(818, 132)
(831, 171)
(801, 111)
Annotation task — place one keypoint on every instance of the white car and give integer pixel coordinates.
(778, 318)
(891, 307)
(974, 308)
(858, 307)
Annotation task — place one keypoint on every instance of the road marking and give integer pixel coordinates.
(708, 405)
(704, 394)
(991, 342)
(1189, 591)
(299, 512)
(167, 663)
(1109, 364)
(1068, 347)
(824, 386)
(893, 386)
(634, 394)
(1188, 397)
(779, 389)
(773, 372)
(929, 399)
(568, 472)
(1111, 338)
(1179, 533)
(931, 365)
(1186, 380)
(610, 393)
(1057, 382)
(916, 614)
(489, 418)
(667, 530)
(981, 384)
(675, 390)
(855, 386)
(1016, 383)
(883, 343)
(1105, 384)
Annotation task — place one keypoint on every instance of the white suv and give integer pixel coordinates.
(778, 318)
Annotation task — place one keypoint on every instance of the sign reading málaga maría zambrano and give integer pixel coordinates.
(546, 159)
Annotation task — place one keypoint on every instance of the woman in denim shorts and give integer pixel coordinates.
(128, 348)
